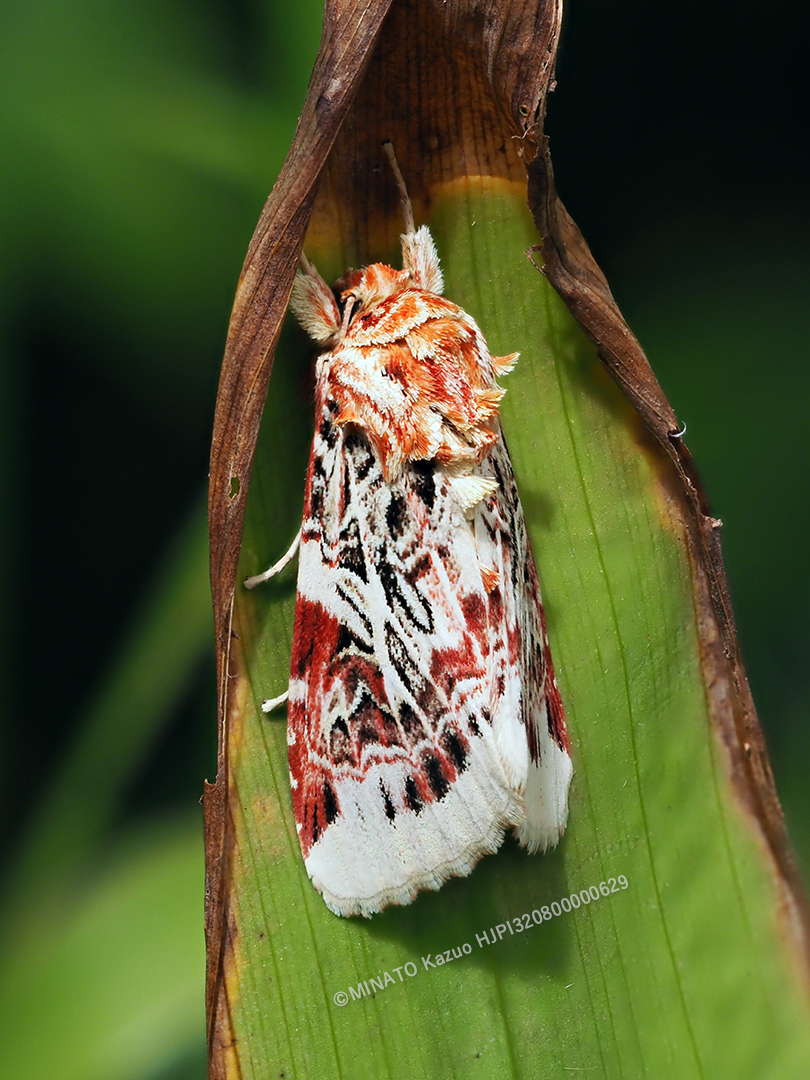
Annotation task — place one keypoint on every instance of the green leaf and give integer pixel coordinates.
(682, 973)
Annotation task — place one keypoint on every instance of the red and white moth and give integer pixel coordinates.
(423, 713)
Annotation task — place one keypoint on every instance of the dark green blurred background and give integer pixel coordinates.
(139, 141)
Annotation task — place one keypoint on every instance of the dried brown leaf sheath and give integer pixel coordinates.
(459, 87)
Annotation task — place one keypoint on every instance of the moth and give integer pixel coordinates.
(424, 718)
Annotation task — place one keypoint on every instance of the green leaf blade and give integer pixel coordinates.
(684, 972)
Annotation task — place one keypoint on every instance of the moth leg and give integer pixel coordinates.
(404, 199)
(419, 255)
(273, 703)
(258, 579)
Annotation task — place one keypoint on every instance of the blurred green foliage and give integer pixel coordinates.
(139, 142)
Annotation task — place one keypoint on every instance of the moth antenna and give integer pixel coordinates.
(306, 266)
(419, 254)
(313, 304)
(404, 200)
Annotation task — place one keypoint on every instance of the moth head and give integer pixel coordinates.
(371, 285)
